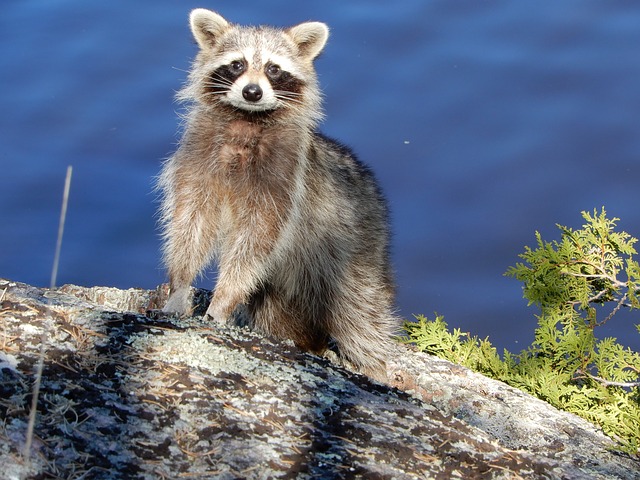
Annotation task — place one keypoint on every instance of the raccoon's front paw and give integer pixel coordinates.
(217, 315)
(179, 302)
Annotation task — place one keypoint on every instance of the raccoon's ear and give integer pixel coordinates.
(206, 26)
(310, 37)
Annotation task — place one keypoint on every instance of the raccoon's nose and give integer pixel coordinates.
(252, 92)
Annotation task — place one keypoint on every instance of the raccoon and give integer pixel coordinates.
(297, 225)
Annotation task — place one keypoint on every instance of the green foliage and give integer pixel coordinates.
(579, 284)
(581, 270)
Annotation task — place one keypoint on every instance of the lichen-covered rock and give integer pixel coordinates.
(125, 396)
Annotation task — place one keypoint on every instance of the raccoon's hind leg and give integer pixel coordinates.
(366, 343)
(272, 316)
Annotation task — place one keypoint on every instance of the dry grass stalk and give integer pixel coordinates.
(63, 216)
(54, 274)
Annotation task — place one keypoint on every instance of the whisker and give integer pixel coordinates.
(289, 97)
(216, 81)
(289, 92)
(213, 94)
(216, 85)
(286, 93)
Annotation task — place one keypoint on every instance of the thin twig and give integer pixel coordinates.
(614, 281)
(63, 216)
(608, 383)
(621, 302)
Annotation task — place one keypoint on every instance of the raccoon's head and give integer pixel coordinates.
(255, 69)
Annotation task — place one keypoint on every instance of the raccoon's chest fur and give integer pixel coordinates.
(250, 176)
(255, 160)
(248, 145)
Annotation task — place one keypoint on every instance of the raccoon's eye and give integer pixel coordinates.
(237, 66)
(273, 70)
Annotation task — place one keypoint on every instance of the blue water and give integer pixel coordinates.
(484, 120)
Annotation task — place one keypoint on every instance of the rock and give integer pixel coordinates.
(125, 396)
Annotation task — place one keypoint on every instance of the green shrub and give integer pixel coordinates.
(579, 284)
